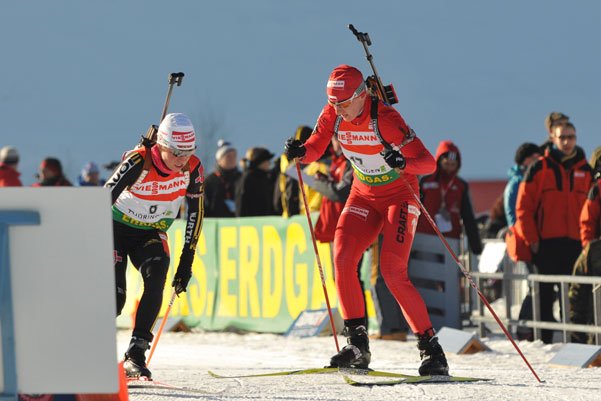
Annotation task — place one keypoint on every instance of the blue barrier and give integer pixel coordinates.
(9, 218)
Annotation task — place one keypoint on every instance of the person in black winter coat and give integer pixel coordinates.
(220, 185)
(254, 193)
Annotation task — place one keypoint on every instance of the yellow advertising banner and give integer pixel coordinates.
(253, 273)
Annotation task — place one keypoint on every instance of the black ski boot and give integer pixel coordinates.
(135, 360)
(356, 354)
(434, 362)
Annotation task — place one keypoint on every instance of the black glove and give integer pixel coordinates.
(294, 148)
(394, 158)
(183, 275)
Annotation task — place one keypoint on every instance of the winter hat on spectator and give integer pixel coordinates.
(258, 155)
(9, 155)
(53, 165)
(448, 150)
(223, 147)
(524, 151)
(344, 82)
(553, 118)
(177, 132)
(89, 168)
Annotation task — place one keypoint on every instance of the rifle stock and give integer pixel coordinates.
(151, 134)
(386, 93)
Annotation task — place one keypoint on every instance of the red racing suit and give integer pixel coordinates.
(379, 201)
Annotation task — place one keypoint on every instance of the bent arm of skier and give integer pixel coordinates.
(125, 175)
(195, 204)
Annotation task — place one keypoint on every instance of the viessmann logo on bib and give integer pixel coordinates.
(155, 187)
(358, 138)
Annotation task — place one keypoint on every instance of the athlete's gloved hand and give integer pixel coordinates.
(394, 158)
(183, 275)
(294, 148)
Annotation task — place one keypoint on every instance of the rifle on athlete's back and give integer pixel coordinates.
(149, 139)
(374, 83)
(175, 78)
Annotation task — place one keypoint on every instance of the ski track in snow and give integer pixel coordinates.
(183, 359)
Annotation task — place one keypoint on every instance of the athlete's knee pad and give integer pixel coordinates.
(154, 272)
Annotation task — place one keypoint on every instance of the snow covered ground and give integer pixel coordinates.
(184, 358)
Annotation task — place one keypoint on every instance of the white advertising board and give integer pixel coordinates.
(63, 291)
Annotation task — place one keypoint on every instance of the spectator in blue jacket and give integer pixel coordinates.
(90, 176)
(525, 155)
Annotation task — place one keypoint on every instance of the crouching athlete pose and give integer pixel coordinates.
(379, 202)
(148, 189)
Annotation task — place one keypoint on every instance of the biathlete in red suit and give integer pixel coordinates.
(379, 201)
(148, 189)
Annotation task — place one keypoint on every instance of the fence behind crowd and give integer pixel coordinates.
(515, 284)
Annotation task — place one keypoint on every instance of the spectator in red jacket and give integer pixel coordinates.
(549, 202)
(9, 161)
(590, 216)
(446, 197)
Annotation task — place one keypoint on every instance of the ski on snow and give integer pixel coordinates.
(286, 373)
(414, 380)
(399, 377)
(145, 384)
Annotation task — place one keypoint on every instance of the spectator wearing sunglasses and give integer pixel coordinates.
(550, 198)
(148, 189)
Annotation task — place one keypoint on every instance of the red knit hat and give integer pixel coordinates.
(343, 82)
(53, 165)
